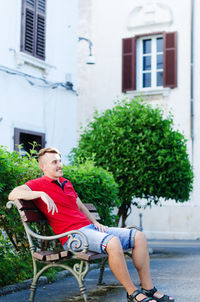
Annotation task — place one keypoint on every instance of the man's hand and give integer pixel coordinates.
(24, 192)
(100, 227)
(51, 206)
(84, 210)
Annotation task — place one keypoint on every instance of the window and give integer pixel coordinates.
(26, 138)
(33, 27)
(149, 62)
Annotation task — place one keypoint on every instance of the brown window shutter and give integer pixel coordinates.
(27, 31)
(129, 64)
(170, 60)
(33, 27)
(40, 35)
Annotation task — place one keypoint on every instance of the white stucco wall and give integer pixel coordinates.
(42, 109)
(196, 99)
(100, 85)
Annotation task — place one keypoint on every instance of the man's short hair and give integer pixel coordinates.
(43, 151)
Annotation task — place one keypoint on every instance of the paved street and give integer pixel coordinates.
(175, 267)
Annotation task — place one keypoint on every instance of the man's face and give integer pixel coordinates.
(51, 165)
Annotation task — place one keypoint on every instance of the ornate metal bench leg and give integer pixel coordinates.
(103, 262)
(33, 290)
(79, 271)
(83, 292)
(34, 282)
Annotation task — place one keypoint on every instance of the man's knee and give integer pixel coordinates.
(114, 244)
(140, 239)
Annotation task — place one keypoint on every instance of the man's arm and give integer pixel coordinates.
(87, 213)
(24, 192)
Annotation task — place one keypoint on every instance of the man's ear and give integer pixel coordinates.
(41, 166)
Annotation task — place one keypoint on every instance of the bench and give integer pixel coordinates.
(52, 257)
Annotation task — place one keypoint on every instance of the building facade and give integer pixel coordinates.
(38, 73)
(147, 48)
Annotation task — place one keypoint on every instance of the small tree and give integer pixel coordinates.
(147, 157)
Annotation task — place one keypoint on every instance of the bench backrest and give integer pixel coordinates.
(30, 213)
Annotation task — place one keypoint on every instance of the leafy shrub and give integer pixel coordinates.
(147, 157)
(13, 267)
(15, 170)
(16, 267)
(94, 185)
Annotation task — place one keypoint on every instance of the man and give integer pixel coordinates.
(56, 198)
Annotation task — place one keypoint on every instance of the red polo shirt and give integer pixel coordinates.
(69, 217)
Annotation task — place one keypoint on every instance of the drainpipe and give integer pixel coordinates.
(192, 77)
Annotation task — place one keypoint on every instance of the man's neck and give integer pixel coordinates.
(53, 178)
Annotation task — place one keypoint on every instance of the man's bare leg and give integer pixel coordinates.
(119, 268)
(141, 261)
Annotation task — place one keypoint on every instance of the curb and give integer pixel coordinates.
(20, 286)
(41, 281)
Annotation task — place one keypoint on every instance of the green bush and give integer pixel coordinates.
(147, 157)
(95, 185)
(13, 267)
(16, 267)
(15, 170)
(92, 184)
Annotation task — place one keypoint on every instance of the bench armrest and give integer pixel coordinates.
(70, 234)
(134, 227)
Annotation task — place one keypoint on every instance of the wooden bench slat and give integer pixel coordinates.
(90, 207)
(64, 254)
(46, 255)
(90, 256)
(96, 216)
(53, 257)
(50, 255)
(42, 255)
(29, 204)
(92, 210)
(25, 204)
(32, 216)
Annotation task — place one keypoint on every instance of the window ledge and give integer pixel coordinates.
(23, 58)
(160, 91)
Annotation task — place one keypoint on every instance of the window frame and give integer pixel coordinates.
(139, 59)
(18, 131)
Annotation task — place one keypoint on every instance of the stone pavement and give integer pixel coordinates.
(175, 267)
